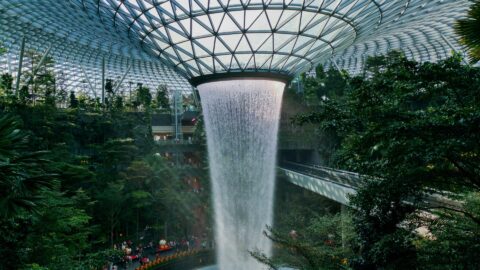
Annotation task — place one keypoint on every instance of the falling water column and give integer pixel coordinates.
(242, 118)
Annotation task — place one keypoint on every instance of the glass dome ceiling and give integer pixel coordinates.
(195, 38)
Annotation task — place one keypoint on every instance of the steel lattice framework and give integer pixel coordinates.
(173, 41)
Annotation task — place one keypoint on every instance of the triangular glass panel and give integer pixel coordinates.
(213, 4)
(260, 59)
(207, 42)
(291, 62)
(267, 64)
(243, 59)
(167, 9)
(191, 67)
(301, 41)
(277, 61)
(228, 25)
(170, 52)
(220, 47)
(183, 56)
(217, 65)
(200, 26)
(182, 4)
(261, 23)
(234, 64)
(317, 27)
(231, 40)
(198, 5)
(199, 51)
(205, 65)
(216, 20)
(280, 39)
(288, 46)
(257, 39)
(304, 48)
(184, 25)
(251, 15)
(251, 63)
(267, 46)
(290, 21)
(345, 7)
(331, 5)
(238, 17)
(176, 37)
(243, 45)
(233, 3)
(224, 60)
(307, 18)
(186, 47)
(274, 16)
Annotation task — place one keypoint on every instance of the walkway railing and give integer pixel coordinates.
(338, 177)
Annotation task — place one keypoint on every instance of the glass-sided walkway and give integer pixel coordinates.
(339, 185)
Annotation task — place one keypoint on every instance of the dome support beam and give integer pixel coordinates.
(20, 64)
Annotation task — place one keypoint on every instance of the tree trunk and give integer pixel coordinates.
(138, 220)
(111, 231)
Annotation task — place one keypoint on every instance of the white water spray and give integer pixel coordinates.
(241, 119)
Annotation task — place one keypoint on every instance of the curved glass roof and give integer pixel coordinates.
(161, 40)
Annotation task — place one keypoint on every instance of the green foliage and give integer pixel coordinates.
(73, 100)
(59, 232)
(22, 173)
(311, 232)
(455, 241)
(144, 97)
(322, 244)
(469, 31)
(39, 81)
(413, 129)
(75, 181)
(325, 85)
(100, 182)
(161, 98)
(6, 84)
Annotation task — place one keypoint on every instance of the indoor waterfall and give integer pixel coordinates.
(241, 119)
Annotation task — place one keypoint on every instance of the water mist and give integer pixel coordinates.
(241, 119)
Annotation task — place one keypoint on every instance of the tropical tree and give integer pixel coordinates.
(59, 233)
(144, 97)
(6, 83)
(73, 100)
(455, 242)
(161, 98)
(413, 129)
(323, 244)
(22, 173)
(469, 31)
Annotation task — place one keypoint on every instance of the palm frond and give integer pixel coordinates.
(469, 31)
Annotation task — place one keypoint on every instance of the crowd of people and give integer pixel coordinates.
(143, 253)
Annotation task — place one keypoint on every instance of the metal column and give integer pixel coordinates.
(122, 79)
(89, 82)
(20, 64)
(335, 64)
(103, 80)
(9, 63)
(453, 48)
(343, 212)
(175, 108)
(39, 65)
